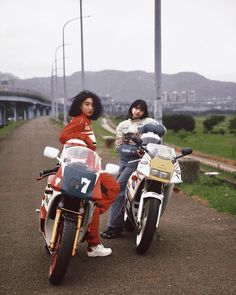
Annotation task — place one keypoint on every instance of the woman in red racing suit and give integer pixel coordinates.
(85, 107)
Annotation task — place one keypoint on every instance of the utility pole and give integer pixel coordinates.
(82, 45)
(52, 94)
(157, 75)
(56, 84)
(64, 66)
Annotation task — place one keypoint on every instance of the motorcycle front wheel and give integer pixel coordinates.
(63, 251)
(148, 225)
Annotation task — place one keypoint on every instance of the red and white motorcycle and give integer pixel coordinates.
(68, 203)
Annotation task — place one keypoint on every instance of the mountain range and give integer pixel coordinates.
(129, 85)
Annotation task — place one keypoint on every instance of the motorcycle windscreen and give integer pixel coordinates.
(78, 183)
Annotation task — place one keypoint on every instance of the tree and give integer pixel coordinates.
(232, 125)
(208, 124)
(189, 123)
(212, 121)
(179, 121)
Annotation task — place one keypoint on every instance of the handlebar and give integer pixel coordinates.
(137, 140)
(48, 172)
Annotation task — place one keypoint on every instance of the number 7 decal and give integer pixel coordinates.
(86, 183)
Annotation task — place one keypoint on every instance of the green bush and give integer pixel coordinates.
(177, 122)
(213, 121)
(232, 125)
(221, 131)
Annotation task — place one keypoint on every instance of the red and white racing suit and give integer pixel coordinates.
(80, 128)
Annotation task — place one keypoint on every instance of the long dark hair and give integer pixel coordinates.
(142, 105)
(75, 109)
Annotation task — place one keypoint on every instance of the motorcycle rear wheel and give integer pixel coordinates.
(63, 251)
(148, 227)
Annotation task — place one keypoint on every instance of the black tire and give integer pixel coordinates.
(149, 218)
(62, 254)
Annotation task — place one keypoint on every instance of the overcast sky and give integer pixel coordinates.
(197, 35)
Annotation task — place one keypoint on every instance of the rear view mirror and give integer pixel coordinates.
(51, 152)
(112, 169)
(186, 151)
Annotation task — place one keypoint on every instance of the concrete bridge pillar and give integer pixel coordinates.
(15, 116)
(2, 115)
(30, 111)
(25, 114)
(37, 112)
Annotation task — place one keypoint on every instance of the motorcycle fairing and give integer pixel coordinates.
(134, 181)
(176, 176)
(143, 166)
(54, 180)
(162, 165)
(78, 183)
(147, 195)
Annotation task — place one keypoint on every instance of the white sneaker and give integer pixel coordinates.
(98, 250)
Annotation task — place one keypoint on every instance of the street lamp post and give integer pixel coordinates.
(52, 94)
(157, 98)
(55, 97)
(64, 70)
(82, 44)
(56, 84)
(64, 64)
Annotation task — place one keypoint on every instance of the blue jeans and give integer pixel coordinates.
(116, 213)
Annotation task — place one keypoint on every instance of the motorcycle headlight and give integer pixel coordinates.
(160, 174)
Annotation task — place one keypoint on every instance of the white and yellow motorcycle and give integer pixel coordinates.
(149, 188)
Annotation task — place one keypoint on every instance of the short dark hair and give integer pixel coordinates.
(142, 105)
(75, 109)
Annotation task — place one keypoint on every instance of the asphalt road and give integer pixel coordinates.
(194, 251)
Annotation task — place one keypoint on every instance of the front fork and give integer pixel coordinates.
(55, 227)
(149, 195)
(79, 222)
(80, 216)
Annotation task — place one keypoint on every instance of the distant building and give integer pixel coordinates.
(184, 101)
(5, 83)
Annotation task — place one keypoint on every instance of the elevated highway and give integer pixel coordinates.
(16, 103)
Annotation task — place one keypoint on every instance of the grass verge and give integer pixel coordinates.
(102, 149)
(215, 193)
(7, 129)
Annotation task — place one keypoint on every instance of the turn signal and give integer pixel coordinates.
(134, 177)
